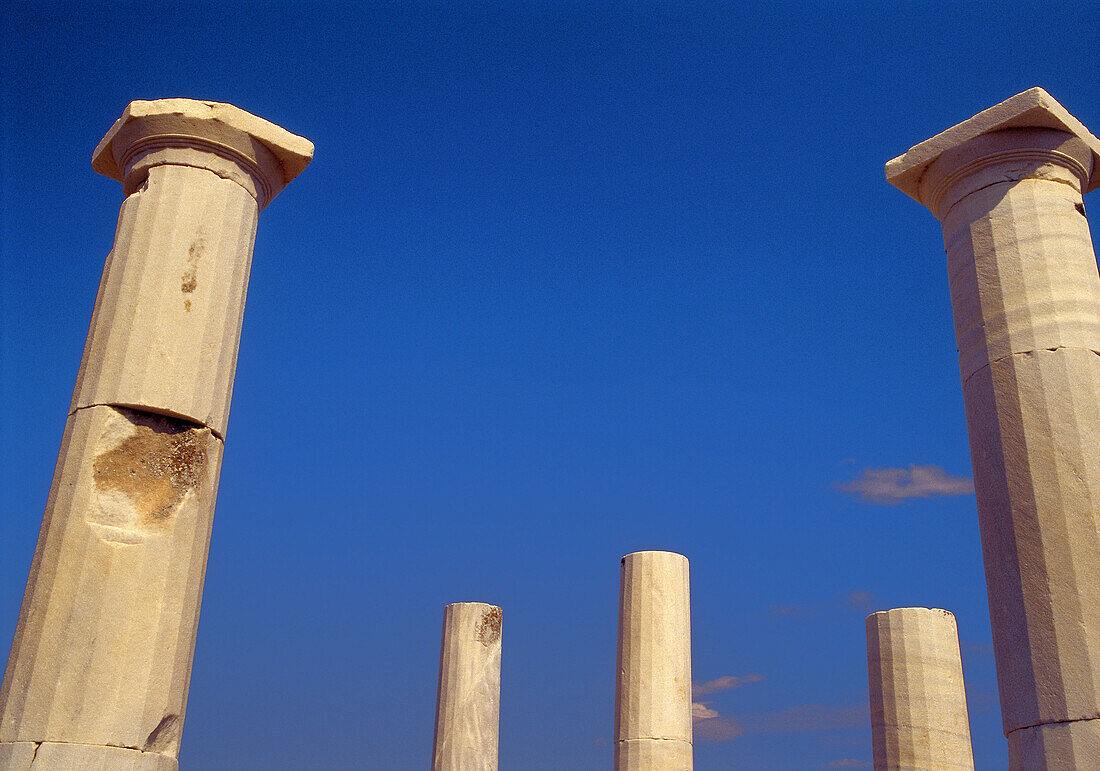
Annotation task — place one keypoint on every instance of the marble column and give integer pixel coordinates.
(918, 703)
(1007, 188)
(653, 682)
(467, 713)
(100, 665)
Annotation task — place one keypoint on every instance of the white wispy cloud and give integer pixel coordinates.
(700, 711)
(894, 485)
(709, 726)
(724, 683)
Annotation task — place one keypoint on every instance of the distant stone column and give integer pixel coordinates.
(918, 702)
(100, 665)
(1007, 186)
(653, 678)
(467, 712)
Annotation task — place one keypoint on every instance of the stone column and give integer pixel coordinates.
(467, 712)
(1006, 186)
(101, 661)
(918, 703)
(653, 682)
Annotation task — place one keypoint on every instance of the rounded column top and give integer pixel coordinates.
(485, 605)
(653, 555)
(894, 613)
(230, 142)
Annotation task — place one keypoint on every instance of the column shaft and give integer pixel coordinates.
(1026, 295)
(918, 703)
(467, 715)
(1007, 187)
(653, 678)
(101, 661)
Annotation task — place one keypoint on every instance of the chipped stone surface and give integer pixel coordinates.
(17, 756)
(236, 143)
(467, 713)
(27, 756)
(918, 703)
(103, 647)
(101, 662)
(1026, 298)
(653, 678)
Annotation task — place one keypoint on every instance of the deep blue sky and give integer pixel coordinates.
(562, 283)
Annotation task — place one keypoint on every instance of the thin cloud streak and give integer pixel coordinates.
(811, 717)
(724, 683)
(890, 486)
(710, 726)
(860, 600)
(788, 610)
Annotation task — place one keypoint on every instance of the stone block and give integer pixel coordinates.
(653, 684)
(167, 319)
(468, 699)
(102, 651)
(919, 718)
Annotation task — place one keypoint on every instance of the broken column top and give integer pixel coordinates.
(271, 154)
(1034, 108)
(653, 552)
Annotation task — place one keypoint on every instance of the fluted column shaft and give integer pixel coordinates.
(918, 703)
(653, 677)
(1026, 299)
(467, 714)
(101, 661)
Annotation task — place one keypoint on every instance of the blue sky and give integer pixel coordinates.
(563, 282)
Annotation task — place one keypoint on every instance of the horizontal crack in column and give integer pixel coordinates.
(1055, 722)
(654, 739)
(1024, 353)
(145, 409)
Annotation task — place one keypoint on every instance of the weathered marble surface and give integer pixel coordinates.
(918, 702)
(467, 714)
(101, 662)
(653, 682)
(1007, 187)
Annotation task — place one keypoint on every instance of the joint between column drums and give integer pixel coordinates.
(155, 412)
(1068, 721)
(1027, 353)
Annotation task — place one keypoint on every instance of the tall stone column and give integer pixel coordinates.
(467, 712)
(101, 661)
(918, 703)
(653, 678)
(1006, 185)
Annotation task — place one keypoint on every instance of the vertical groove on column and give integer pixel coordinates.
(468, 698)
(653, 678)
(918, 702)
(169, 344)
(101, 662)
(1007, 186)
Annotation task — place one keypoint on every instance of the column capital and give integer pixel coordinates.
(230, 142)
(929, 168)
